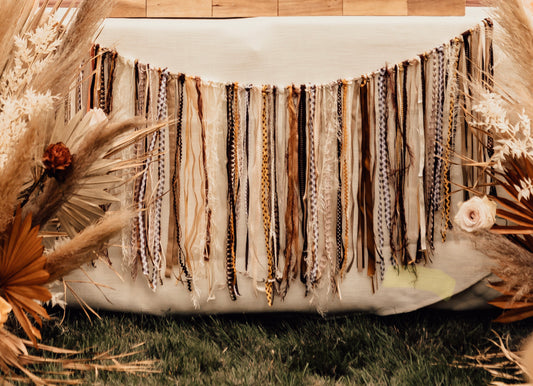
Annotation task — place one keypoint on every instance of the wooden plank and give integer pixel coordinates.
(376, 7)
(129, 8)
(178, 8)
(436, 7)
(244, 8)
(241, 8)
(309, 7)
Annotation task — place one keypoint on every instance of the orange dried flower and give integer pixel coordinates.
(57, 158)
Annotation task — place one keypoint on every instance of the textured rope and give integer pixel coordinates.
(265, 189)
(435, 187)
(313, 199)
(142, 251)
(450, 142)
(231, 277)
(346, 180)
(339, 251)
(79, 92)
(384, 206)
(176, 184)
(162, 115)
(101, 84)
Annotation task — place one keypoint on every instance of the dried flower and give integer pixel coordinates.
(5, 309)
(57, 159)
(476, 214)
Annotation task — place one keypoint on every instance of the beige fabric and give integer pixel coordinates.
(278, 51)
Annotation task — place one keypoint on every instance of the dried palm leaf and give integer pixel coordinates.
(22, 274)
(93, 148)
(91, 190)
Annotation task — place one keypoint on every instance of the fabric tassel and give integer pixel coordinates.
(302, 179)
(384, 220)
(313, 262)
(339, 251)
(232, 173)
(265, 204)
(242, 204)
(292, 249)
(365, 198)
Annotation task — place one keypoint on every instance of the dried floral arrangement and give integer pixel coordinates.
(501, 222)
(55, 174)
(501, 120)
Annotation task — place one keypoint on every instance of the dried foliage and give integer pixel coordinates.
(78, 251)
(15, 355)
(56, 176)
(22, 274)
(503, 113)
(504, 364)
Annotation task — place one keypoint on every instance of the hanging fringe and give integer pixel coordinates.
(304, 139)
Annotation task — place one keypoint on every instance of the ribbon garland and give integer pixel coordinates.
(295, 228)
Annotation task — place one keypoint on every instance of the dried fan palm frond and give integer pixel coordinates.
(22, 274)
(87, 170)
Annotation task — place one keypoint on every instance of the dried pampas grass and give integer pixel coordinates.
(13, 176)
(78, 251)
(514, 40)
(514, 264)
(18, 12)
(58, 174)
(75, 44)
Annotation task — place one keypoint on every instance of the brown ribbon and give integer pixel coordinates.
(365, 195)
(291, 215)
(207, 248)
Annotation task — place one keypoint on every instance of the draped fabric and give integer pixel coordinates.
(306, 183)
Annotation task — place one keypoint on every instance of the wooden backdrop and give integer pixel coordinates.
(242, 8)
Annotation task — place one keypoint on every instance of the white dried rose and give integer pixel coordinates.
(476, 214)
(5, 309)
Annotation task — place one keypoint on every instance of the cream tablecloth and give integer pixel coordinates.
(283, 51)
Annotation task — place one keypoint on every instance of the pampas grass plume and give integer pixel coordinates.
(77, 251)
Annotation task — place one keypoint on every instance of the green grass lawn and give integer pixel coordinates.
(418, 348)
